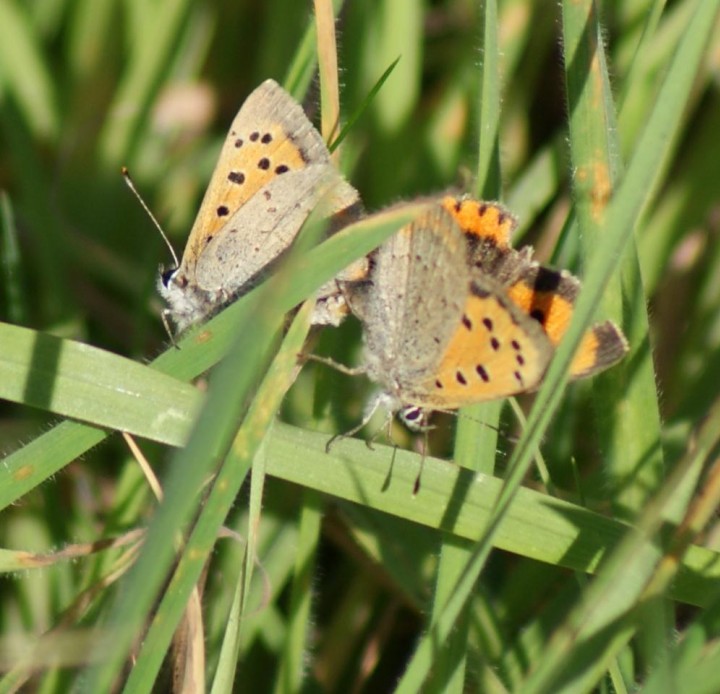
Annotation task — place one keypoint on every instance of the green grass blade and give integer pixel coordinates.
(147, 65)
(639, 180)
(629, 575)
(634, 460)
(11, 263)
(291, 674)
(212, 438)
(75, 380)
(198, 352)
(461, 502)
(359, 112)
(626, 401)
(30, 87)
(217, 505)
(160, 81)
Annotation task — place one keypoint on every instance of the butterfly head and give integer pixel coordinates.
(187, 303)
(415, 418)
(167, 276)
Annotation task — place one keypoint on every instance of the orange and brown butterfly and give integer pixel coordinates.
(438, 334)
(273, 171)
(545, 294)
(453, 316)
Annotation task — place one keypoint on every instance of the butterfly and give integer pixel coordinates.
(452, 315)
(274, 170)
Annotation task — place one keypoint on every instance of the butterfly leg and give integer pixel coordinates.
(347, 370)
(374, 405)
(166, 323)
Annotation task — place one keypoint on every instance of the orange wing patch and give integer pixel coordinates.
(248, 161)
(482, 220)
(549, 296)
(602, 346)
(551, 310)
(494, 353)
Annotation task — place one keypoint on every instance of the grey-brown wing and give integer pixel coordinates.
(417, 284)
(267, 224)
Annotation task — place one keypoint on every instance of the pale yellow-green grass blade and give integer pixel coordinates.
(327, 68)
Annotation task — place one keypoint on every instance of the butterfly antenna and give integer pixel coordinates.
(131, 185)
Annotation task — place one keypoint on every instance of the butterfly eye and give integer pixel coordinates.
(413, 417)
(167, 276)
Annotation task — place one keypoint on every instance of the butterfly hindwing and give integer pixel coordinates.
(496, 351)
(545, 294)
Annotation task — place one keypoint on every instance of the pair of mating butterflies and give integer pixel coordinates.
(451, 314)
